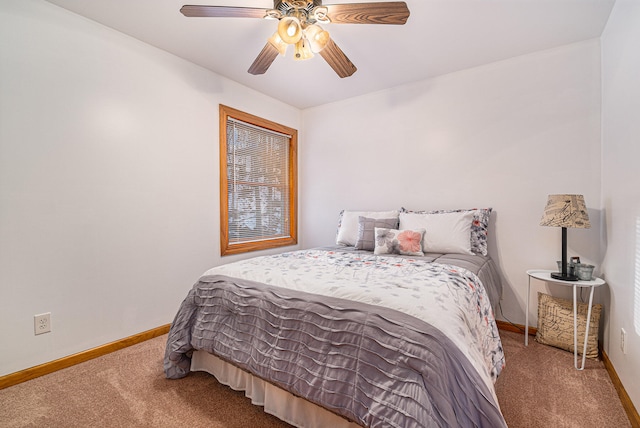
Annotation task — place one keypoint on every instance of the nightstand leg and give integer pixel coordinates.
(526, 316)
(575, 328)
(586, 330)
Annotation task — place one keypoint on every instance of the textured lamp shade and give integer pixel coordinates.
(565, 211)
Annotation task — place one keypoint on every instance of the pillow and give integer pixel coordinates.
(555, 324)
(366, 230)
(479, 226)
(392, 241)
(445, 233)
(348, 224)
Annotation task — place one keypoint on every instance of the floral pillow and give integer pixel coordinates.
(479, 226)
(406, 242)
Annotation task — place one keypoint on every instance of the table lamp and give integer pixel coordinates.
(565, 211)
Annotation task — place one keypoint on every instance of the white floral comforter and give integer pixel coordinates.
(450, 298)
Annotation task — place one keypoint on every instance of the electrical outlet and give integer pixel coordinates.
(623, 341)
(42, 323)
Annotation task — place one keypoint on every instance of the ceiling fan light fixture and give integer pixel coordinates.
(297, 25)
(303, 50)
(290, 29)
(277, 42)
(317, 37)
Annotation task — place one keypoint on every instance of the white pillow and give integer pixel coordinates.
(445, 232)
(348, 230)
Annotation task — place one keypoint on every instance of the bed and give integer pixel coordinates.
(344, 336)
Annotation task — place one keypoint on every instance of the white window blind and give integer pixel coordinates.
(257, 182)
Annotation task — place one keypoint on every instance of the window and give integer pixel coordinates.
(258, 183)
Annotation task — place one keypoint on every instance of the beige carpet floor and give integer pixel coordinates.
(538, 388)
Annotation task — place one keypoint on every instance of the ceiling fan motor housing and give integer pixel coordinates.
(297, 6)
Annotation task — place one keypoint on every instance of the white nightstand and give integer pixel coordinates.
(545, 275)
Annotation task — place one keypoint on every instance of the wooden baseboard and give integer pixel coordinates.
(516, 328)
(68, 361)
(631, 410)
(627, 404)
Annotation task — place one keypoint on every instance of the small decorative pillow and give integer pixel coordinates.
(391, 241)
(366, 230)
(348, 224)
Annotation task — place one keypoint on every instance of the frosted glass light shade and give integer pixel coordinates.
(317, 37)
(303, 50)
(277, 42)
(290, 29)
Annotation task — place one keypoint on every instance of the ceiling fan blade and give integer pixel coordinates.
(393, 12)
(337, 59)
(264, 59)
(222, 11)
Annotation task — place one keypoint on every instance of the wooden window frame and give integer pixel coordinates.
(226, 247)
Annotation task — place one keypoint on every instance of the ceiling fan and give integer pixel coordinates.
(299, 26)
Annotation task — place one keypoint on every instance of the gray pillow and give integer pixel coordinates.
(366, 230)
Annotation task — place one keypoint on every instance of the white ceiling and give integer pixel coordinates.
(441, 36)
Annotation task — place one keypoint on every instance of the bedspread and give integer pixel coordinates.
(382, 341)
(482, 266)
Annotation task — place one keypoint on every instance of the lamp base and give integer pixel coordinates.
(567, 277)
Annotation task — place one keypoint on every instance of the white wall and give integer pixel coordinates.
(108, 180)
(503, 136)
(621, 186)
